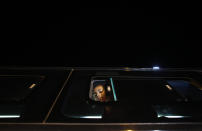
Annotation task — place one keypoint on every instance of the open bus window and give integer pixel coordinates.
(102, 90)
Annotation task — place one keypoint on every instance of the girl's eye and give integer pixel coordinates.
(100, 91)
(94, 94)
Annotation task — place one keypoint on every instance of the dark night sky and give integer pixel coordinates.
(118, 36)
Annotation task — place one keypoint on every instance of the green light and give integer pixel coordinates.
(115, 99)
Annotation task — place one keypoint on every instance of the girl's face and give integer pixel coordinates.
(99, 92)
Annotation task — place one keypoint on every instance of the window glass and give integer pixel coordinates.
(133, 99)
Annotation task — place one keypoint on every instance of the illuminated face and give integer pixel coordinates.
(99, 93)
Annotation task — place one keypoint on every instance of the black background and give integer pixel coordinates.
(109, 34)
